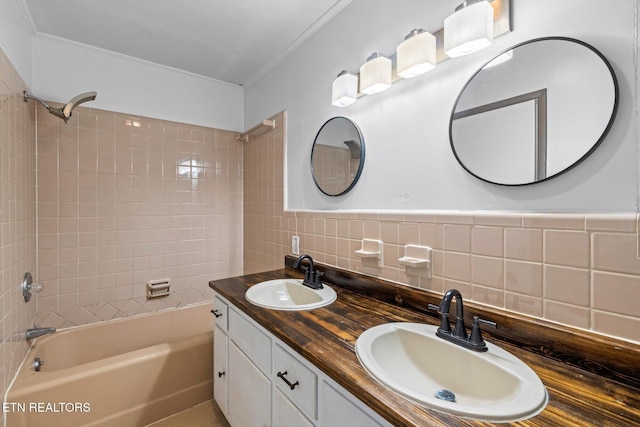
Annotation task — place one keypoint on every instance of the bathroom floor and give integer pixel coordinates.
(206, 414)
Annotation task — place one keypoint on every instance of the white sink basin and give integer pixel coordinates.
(289, 294)
(411, 360)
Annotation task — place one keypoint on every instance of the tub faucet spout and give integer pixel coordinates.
(37, 331)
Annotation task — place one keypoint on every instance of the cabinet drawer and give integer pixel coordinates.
(305, 392)
(220, 313)
(253, 342)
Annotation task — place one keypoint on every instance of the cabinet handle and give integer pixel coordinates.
(291, 386)
(216, 313)
(220, 374)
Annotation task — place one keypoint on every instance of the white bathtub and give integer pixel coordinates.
(127, 372)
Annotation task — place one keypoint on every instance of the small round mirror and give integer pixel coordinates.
(534, 111)
(337, 156)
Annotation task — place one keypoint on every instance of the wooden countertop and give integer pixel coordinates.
(326, 337)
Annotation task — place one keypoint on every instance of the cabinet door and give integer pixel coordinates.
(249, 392)
(285, 413)
(220, 370)
(337, 410)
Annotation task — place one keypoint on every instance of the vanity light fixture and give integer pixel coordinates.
(375, 74)
(345, 89)
(416, 54)
(469, 29)
(472, 27)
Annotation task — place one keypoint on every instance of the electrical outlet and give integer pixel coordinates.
(295, 245)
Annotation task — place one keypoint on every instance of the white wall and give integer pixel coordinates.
(15, 37)
(409, 164)
(63, 69)
(57, 70)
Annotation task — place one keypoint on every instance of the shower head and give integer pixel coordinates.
(77, 100)
(64, 112)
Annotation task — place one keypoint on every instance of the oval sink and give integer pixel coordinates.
(411, 360)
(289, 294)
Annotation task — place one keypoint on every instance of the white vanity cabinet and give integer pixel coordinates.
(339, 408)
(220, 355)
(249, 373)
(286, 413)
(296, 380)
(249, 391)
(266, 383)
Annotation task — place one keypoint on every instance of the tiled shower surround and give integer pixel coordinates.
(125, 199)
(17, 218)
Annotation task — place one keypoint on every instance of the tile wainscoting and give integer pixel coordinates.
(580, 270)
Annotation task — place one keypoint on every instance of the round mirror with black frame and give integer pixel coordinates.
(533, 112)
(337, 156)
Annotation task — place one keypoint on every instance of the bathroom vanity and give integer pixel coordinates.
(590, 380)
(257, 377)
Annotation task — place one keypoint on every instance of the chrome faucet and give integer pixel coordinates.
(459, 333)
(37, 331)
(311, 276)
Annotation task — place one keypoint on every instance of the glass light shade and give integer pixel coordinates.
(468, 30)
(375, 74)
(345, 90)
(416, 54)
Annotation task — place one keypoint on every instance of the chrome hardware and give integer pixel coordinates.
(444, 394)
(37, 331)
(291, 385)
(65, 111)
(216, 313)
(28, 287)
(37, 364)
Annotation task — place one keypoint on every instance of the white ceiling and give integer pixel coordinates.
(236, 41)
